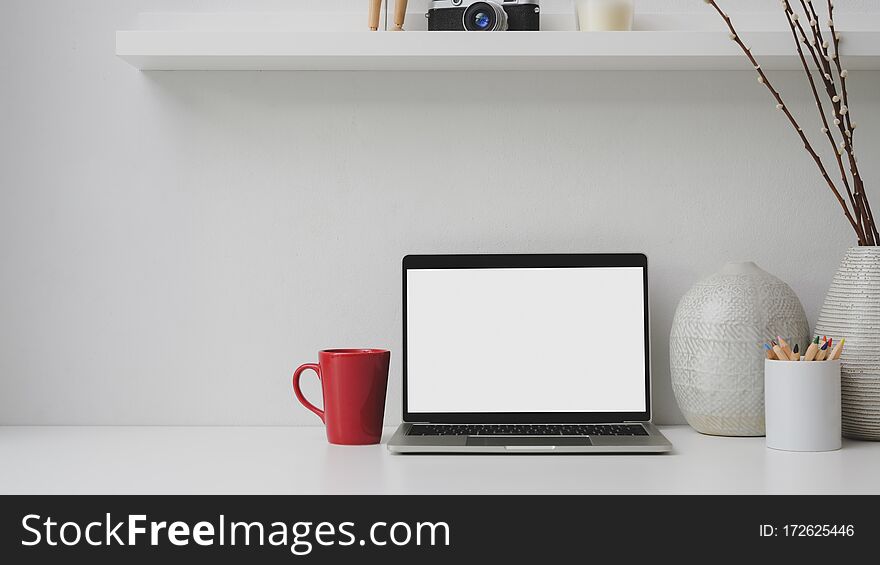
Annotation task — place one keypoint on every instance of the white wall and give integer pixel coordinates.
(173, 244)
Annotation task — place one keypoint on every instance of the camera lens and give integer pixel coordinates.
(482, 20)
(485, 16)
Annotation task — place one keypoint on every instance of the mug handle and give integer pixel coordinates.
(298, 392)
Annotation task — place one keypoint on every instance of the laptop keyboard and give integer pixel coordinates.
(527, 430)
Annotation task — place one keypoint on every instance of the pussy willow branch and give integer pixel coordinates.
(781, 105)
(835, 37)
(860, 187)
(795, 25)
(822, 57)
(846, 117)
(840, 104)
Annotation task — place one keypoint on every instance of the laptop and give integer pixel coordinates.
(526, 354)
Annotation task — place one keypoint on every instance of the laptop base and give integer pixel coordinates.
(403, 443)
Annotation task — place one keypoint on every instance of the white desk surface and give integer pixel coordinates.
(290, 460)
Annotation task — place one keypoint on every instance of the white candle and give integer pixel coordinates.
(605, 15)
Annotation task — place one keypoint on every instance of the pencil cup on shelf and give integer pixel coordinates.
(802, 405)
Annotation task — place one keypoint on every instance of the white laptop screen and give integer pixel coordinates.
(526, 340)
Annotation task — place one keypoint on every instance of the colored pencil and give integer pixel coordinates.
(795, 356)
(785, 348)
(823, 351)
(780, 354)
(812, 350)
(838, 349)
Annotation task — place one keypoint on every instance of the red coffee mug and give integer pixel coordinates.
(353, 382)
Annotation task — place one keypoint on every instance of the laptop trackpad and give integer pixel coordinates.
(527, 441)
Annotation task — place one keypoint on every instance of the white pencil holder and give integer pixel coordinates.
(802, 405)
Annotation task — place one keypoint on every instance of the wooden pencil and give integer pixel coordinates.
(785, 348)
(838, 349)
(823, 351)
(812, 350)
(780, 354)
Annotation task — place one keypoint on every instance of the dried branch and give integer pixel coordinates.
(871, 225)
(873, 237)
(836, 38)
(762, 78)
(850, 126)
(795, 25)
(842, 114)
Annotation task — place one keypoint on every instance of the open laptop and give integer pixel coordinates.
(526, 354)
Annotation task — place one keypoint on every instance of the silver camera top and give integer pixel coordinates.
(484, 15)
(458, 3)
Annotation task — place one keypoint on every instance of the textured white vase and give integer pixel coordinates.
(852, 311)
(716, 353)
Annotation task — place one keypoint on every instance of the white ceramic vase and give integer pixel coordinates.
(852, 311)
(716, 350)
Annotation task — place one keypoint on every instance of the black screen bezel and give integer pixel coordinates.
(509, 261)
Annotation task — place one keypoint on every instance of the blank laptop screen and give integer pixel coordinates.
(526, 340)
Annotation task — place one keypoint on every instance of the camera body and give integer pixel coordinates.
(490, 15)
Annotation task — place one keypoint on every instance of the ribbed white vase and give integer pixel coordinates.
(852, 311)
(716, 353)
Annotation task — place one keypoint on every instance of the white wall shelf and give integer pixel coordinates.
(190, 44)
